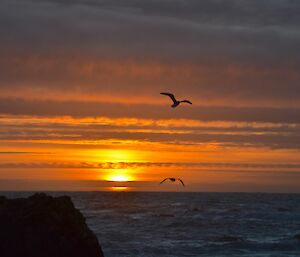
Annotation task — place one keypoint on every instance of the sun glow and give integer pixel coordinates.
(119, 175)
(119, 188)
(119, 155)
(119, 178)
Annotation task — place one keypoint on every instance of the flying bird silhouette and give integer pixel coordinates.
(173, 180)
(175, 102)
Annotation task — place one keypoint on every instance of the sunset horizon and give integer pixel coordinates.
(80, 101)
(142, 128)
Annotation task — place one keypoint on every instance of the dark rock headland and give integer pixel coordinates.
(297, 237)
(44, 226)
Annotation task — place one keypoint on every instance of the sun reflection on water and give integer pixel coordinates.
(119, 188)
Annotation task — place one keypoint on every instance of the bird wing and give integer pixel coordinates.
(171, 96)
(181, 181)
(163, 180)
(186, 101)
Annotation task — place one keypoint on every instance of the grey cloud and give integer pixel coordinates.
(246, 167)
(77, 126)
(279, 135)
(275, 135)
(94, 109)
(283, 132)
(263, 141)
(262, 12)
(11, 152)
(46, 27)
(228, 138)
(260, 38)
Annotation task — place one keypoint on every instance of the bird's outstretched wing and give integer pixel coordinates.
(186, 101)
(163, 180)
(181, 181)
(171, 96)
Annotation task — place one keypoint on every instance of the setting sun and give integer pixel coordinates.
(119, 178)
(172, 125)
(119, 175)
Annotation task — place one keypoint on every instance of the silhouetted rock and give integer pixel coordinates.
(282, 209)
(44, 226)
(297, 236)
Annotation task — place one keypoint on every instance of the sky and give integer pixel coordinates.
(80, 107)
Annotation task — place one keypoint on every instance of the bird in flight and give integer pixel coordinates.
(173, 180)
(175, 102)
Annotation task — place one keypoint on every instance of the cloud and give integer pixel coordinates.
(232, 51)
(237, 60)
(114, 110)
(212, 166)
(75, 130)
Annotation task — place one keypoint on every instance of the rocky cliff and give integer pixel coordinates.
(44, 226)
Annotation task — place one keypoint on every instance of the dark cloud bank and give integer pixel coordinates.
(94, 109)
(250, 49)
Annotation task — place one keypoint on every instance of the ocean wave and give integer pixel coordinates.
(192, 224)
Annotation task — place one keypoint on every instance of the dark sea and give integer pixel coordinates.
(191, 224)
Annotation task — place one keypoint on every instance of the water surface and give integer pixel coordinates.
(191, 224)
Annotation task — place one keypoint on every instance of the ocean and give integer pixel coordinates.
(154, 224)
